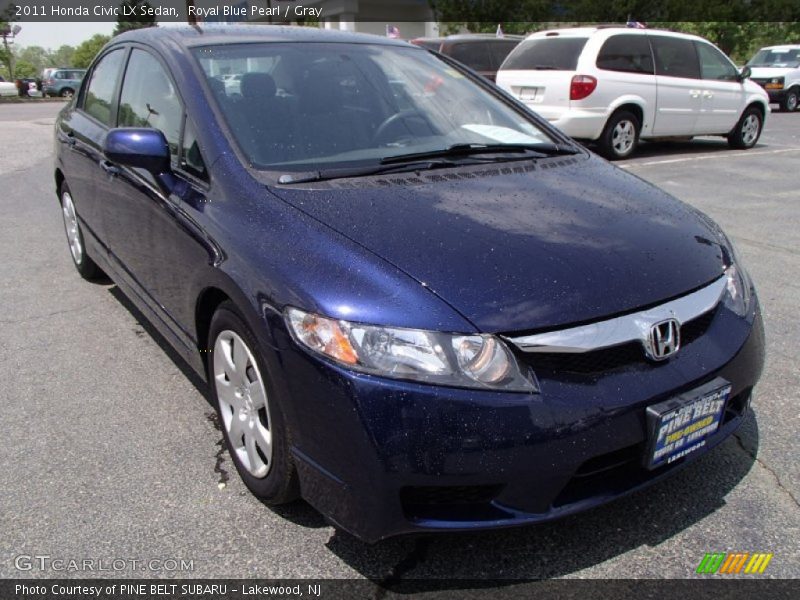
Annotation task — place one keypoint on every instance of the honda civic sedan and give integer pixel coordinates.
(417, 305)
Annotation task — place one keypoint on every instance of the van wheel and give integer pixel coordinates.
(747, 130)
(87, 268)
(789, 103)
(249, 409)
(620, 136)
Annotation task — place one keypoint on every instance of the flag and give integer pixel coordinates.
(392, 32)
(500, 31)
(637, 25)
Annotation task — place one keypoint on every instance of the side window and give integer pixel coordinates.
(714, 64)
(675, 57)
(100, 91)
(149, 99)
(191, 159)
(626, 53)
(474, 55)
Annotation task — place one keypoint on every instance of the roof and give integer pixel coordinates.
(609, 30)
(470, 37)
(211, 34)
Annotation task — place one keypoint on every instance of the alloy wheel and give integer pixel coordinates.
(243, 403)
(750, 129)
(623, 137)
(72, 228)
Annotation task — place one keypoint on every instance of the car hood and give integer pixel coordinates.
(565, 240)
(767, 72)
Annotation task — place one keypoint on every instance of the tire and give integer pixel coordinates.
(249, 410)
(789, 102)
(66, 93)
(747, 131)
(86, 267)
(620, 136)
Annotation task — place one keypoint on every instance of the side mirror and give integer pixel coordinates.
(140, 148)
(745, 73)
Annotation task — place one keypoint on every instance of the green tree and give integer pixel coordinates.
(35, 56)
(25, 69)
(86, 51)
(132, 9)
(7, 57)
(62, 57)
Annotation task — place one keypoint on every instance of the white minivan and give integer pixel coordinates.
(617, 85)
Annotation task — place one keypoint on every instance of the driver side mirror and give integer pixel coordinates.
(141, 148)
(745, 73)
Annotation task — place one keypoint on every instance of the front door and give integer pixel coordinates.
(722, 92)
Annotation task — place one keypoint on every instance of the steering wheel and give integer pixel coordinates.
(393, 120)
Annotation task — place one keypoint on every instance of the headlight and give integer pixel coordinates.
(471, 361)
(737, 291)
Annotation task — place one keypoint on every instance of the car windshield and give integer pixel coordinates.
(320, 105)
(776, 57)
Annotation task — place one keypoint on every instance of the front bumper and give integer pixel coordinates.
(381, 457)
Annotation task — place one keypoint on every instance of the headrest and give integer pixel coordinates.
(258, 86)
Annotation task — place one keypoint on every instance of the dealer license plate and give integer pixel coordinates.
(681, 425)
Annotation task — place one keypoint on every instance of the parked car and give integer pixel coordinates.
(420, 307)
(480, 52)
(616, 85)
(7, 88)
(29, 86)
(777, 70)
(63, 82)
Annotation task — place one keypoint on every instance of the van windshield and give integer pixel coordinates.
(296, 107)
(787, 57)
(549, 53)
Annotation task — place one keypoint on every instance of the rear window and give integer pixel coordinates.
(473, 54)
(555, 54)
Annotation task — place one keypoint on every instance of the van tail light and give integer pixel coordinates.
(581, 87)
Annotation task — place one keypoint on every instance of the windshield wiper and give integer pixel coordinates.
(542, 149)
(343, 173)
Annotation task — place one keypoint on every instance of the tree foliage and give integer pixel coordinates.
(86, 51)
(133, 10)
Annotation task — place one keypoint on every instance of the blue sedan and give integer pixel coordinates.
(416, 304)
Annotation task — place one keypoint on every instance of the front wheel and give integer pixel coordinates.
(87, 268)
(747, 130)
(67, 93)
(249, 412)
(789, 103)
(620, 136)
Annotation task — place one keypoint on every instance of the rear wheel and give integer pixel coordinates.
(249, 412)
(747, 130)
(87, 268)
(789, 103)
(620, 136)
(67, 93)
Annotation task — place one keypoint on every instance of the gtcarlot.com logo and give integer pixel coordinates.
(734, 563)
(45, 562)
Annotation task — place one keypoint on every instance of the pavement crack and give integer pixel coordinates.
(44, 316)
(405, 565)
(767, 468)
(224, 477)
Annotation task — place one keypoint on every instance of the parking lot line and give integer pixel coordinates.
(714, 156)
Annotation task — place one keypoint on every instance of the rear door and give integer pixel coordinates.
(723, 94)
(80, 137)
(539, 73)
(679, 85)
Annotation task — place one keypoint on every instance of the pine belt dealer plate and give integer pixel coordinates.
(681, 425)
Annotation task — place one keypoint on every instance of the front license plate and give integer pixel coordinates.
(681, 425)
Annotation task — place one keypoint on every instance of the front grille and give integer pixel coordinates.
(614, 357)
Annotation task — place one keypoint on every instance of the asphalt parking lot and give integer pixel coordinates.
(110, 451)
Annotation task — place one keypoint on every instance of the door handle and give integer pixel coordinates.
(71, 138)
(694, 93)
(707, 94)
(109, 167)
